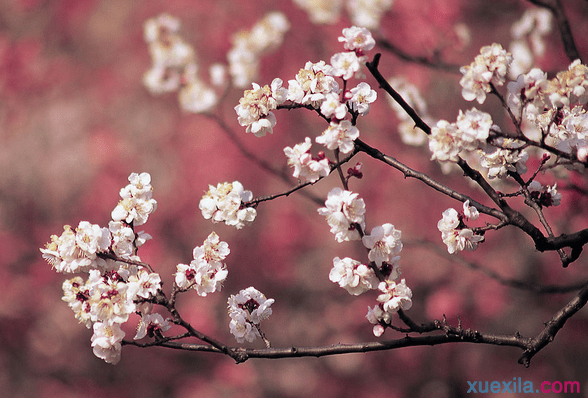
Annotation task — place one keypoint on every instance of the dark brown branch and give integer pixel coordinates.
(373, 68)
(429, 62)
(513, 283)
(263, 164)
(465, 336)
(554, 325)
(567, 38)
(408, 172)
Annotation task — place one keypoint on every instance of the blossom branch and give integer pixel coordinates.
(513, 283)
(567, 38)
(554, 325)
(433, 63)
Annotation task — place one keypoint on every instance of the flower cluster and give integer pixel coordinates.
(454, 231)
(225, 202)
(248, 47)
(137, 202)
(366, 13)
(507, 156)
(409, 134)
(206, 272)
(255, 108)
(489, 67)
(469, 132)
(544, 195)
(315, 86)
(527, 43)
(307, 167)
(174, 66)
(555, 107)
(344, 212)
(246, 310)
(115, 288)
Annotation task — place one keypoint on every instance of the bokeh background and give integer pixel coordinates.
(75, 121)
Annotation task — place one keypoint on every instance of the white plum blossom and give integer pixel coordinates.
(254, 109)
(106, 341)
(76, 293)
(332, 107)
(454, 233)
(507, 157)
(528, 90)
(357, 39)
(206, 272)
(544, 195)
(394, 296)
(368, 13)
(249, 46)
(345, 64)
(470, 212)
(151, 323)
(306, 167)
(312, 84)
(490, 66)
(111, 300)
(343, 209)
(339, 135)
(353, 276)
(361, 97)
(443, 142)
(384, 243)
(77, 250)
(137, 202)
(473, 128)
(225, 202)
(321, 11)
(144, 284)
(246, 310)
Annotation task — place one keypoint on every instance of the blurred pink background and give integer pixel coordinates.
(75, 121)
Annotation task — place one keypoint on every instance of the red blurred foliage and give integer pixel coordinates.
(76, 121)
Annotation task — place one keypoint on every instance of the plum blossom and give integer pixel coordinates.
(473, 128)
(144, 284)
(490, 66)
(249, 46)
(544, 195)
(254, 109)
(343, 209)
(443, 142)
(360, 98)
(394, 296)
(345, 64)
(353, 276)
(508, 156)
(137, 202)
(454, 233)
(339, 135)
(150, 324)
(106, 341)
(307, 167)
(77, 250)
(384, 244)
(225, 202)
(357, 39)
(331, 107)
(312, 84)
(206, 272)
(246, 310)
